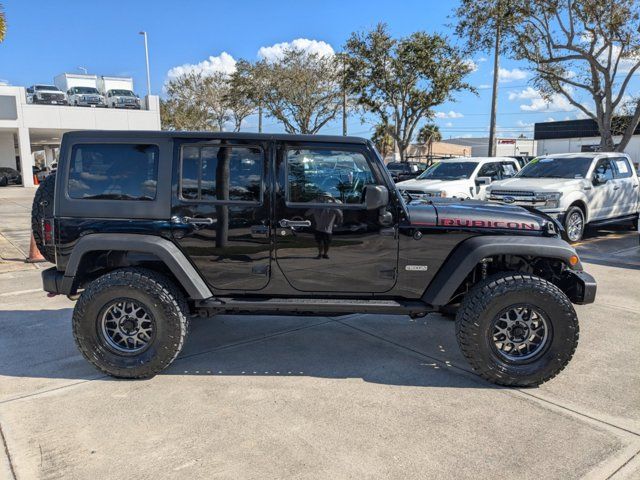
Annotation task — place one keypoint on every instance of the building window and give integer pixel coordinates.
(113, 171)
(222, 173)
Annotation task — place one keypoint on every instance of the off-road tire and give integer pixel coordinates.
(42, 208)
(159, 295)
(491, 296)
(4, 181)
(571, 211)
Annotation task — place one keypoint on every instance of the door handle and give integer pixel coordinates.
(616, 188)
(635, 185)
(194, 221)
(284, 223)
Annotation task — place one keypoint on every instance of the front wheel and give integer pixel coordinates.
(131, 323)
(574, 224)
(517, 330)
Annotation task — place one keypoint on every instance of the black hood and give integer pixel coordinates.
(477, 215)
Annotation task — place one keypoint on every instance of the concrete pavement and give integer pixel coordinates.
(359, 396)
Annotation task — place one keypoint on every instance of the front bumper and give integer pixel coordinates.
(580, 287)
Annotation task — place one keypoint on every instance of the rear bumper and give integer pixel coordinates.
(53, 281)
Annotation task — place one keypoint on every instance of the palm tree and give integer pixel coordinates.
(3, 24)
(428, 134)
(382, 139)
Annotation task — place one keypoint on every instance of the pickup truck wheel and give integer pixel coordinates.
(517, 330)
(131, 323)
(574, 224)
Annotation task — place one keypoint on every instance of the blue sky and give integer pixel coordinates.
(45, 38)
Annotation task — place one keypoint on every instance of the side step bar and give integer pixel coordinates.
(314, 306)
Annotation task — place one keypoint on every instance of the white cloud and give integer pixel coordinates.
(536, 103)
(484, 86)
(275, 52)
(449, 114)
(550, 119)
(471, 64)
(526, 94)
(522, 124)
(448, 124)
(506, 75)
(4, 82)
(224, 63)
(482, 59)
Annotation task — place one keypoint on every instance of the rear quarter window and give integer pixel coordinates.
(113, 172)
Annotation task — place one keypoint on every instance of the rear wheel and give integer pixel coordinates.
(574, 224)
(517, 330)
(4, 181)
(131, 323)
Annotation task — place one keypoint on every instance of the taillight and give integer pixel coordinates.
(47, 231)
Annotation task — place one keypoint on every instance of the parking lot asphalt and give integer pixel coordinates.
(358, 396)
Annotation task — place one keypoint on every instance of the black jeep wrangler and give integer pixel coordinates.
(149, 228)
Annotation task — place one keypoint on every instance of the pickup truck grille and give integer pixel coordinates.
(512, 193)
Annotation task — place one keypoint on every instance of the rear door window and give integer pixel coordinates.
(113, 171)
(223, 173)
(621, 167)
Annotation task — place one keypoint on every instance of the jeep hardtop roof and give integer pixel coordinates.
(84, 134)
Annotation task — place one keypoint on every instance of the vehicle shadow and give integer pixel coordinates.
(39, 345)
(613, 246)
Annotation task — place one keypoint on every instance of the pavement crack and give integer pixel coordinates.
(7, 453)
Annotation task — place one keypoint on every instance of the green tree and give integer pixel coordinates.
(585, 51)
(302, 90)
(248, 88)
(401, 81)
(3, 24)
(482, 24)
(382, 139)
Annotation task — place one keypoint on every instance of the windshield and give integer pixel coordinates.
(449, 171)
(122, 93)
(46, 87)
(549, 167)
(7, 170)
(86, 90)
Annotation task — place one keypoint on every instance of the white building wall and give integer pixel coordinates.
(7, 150)
(25, 119)
(574, 145)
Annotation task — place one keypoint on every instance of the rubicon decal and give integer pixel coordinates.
(464, 222)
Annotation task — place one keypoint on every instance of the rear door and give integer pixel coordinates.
(220, 212)
(326, 240)
(626, 187)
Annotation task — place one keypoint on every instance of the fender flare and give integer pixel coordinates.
(162, 248)
(471, 251)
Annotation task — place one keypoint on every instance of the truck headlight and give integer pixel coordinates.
(551, 200)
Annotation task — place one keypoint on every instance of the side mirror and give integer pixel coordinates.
(376, 196)
(483, 181)
(599, 179)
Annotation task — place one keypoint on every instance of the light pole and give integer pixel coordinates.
(146, 54)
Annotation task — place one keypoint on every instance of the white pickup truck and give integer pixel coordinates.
(576, 188)
(460, 177)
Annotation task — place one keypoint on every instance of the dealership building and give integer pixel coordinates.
(575, 136)
(502, 146)
(27, 128)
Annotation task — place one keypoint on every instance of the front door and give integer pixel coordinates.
(326, 240)
(220, 214)
(603, 195)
